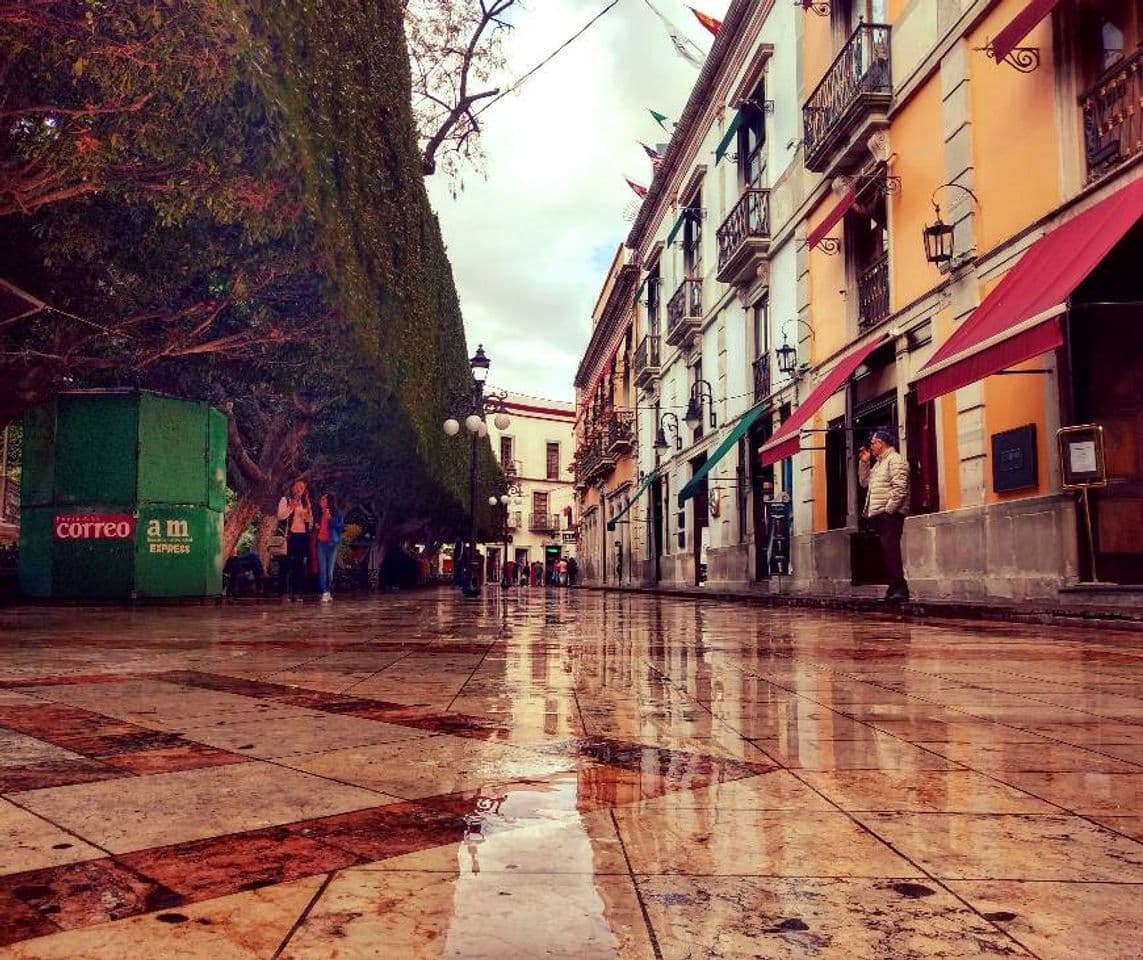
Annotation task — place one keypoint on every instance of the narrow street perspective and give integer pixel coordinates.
(580, 775)
(571, 479)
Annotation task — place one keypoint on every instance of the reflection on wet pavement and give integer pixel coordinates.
(568, 774)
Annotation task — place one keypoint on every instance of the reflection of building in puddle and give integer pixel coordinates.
(527, 855)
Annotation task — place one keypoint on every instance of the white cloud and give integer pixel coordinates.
(531, 241)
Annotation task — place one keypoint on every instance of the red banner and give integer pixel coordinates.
(94, 526)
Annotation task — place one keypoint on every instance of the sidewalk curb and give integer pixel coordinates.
(1124, 619)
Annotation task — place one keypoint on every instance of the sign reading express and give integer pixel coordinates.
(94, 526)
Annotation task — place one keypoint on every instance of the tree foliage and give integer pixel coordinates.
(226, 200)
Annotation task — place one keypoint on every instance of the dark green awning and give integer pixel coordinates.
(727, 138)
(740, 428)
(642, 287)
(630, 503)
(676, 228)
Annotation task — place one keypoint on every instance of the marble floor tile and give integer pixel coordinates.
(876, 752)
(426, 767)
(959, 846)
(243, 926)
(1089, 731)
(486, 916)
(1062, 921)
(1131, 826)
(1003, 757)
(942, 791)
(28, 842)
(728, 918)
(716, 842)
(1094, 793)
(136, 813)
(21, 750)
(284, 736)
(773, 790)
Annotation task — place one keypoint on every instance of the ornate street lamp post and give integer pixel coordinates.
(474, 407)
(510, 489)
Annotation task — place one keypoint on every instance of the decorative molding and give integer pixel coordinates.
(745, 86)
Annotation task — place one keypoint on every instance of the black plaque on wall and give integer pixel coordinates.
(1014, 459)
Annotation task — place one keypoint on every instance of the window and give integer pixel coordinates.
(761, 324)
(653, 303)
(553, 472)
(540, 505)
(692, 237)
(921, 452)
(752, 140)
(506, 453)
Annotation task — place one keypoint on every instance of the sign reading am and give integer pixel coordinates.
(171, 536)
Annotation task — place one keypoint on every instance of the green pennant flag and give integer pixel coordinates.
(660, 119)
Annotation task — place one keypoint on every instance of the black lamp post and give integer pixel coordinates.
(474, 407)
(662, 445)
(510, 488)
(701, 392)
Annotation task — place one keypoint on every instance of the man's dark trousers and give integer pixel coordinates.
(889, 527)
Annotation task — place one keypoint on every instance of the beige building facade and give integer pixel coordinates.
(535, 453)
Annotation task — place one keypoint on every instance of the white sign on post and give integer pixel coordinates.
(1082, 456)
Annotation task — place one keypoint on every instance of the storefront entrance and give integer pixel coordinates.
(701, 529)
(1106, 340)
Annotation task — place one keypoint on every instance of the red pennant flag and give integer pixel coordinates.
(640, 191)
(707, 21)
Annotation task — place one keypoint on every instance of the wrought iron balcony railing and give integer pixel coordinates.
(762, 388)
(621, 431)
(9, 500)
(1113, 117)
(512, 468)
(684, 310)
(858, 82)
(515, 518)
(873, 294)
(543, 522)
(647, 360)
(744, 236)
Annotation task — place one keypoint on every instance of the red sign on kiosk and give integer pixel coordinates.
(94, 526)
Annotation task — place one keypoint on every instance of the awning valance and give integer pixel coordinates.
(1020, 26)
(676, 228)
(744, 423)
(786, 440)
(634, 497)
(727, 138)
(1019, 319)
(831, 220)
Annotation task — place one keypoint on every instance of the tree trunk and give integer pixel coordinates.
(238, 518)
(267, 524)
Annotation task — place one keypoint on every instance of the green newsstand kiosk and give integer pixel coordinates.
(122, 497)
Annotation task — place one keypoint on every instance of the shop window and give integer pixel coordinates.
(921, 452)
(837, 475)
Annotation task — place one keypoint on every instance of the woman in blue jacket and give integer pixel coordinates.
(329, 528)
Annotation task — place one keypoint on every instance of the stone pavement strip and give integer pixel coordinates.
(565, 774)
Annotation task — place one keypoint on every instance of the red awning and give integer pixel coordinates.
(787, 440)
(821, 231)
(1020, 26)
(1019, 319)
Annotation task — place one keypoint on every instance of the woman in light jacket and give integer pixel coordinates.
(329, 527)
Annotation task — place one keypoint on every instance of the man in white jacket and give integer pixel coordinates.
(885, 475)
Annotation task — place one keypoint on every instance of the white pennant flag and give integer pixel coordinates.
(684, 46)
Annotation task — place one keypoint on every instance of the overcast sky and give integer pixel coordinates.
(531, 239)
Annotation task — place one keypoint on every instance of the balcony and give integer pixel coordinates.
(762, 383)
(620, 433)
(744, 237)
(543, 522)
(515, 518)
(873, 294)
(850, 103)
(684, 312)
(1112, 118)
(647, 360)
(511, 468)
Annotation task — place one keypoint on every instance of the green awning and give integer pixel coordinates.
(676, 228)
(642, 287)
(732, 438)
(630, 503)
(727, 138)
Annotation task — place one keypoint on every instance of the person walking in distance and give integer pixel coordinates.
(330, 525)
(885, 475)
(295, 512)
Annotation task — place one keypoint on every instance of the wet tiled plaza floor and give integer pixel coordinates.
(572, 775)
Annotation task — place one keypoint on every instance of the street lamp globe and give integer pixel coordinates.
(502, 422)
(661, 444)
(451, 427)
(479, 364)
(503, 499)
(492, 501)
(694, 415)
(473, 423)
(482, 430)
